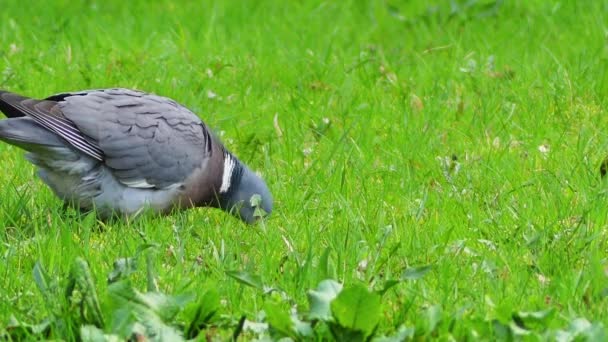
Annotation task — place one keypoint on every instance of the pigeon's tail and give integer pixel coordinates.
(25, 133)
(7, 104)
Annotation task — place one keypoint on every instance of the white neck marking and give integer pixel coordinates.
(229, 164)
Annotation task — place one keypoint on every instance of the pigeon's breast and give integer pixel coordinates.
(202, 187)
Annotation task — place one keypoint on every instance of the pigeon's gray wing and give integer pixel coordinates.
(147, 140)
(46, 114)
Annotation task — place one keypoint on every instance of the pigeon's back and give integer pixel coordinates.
(120, 151)
(120, 146)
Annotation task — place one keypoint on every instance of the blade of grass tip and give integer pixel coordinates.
(332, 153)
(323, 270)
(152, 283)
(84, 280)
(208, 306)
(21, 205)
(239, 328)
(145, 247)
(192, 327)
(70, 287)
(41, 279)
(247, 278)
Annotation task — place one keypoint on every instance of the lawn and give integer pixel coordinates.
(439, 159)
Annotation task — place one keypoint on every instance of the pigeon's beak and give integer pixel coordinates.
(249, 199)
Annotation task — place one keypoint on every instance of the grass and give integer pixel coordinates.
(462, 135)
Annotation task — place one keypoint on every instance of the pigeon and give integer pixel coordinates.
(121, 151)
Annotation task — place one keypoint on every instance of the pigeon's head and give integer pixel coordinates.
(244, 194)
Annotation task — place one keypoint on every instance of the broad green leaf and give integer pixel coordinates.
(167, 307)
(91, 333)
(152, 310)
(357, 309)
(341, 333)
(123, 267)
(121, 319)
(580, 329)
(579, 325)
(402, 334)
(302, 328)
(279, 321)
(164, 305)
(414, 273)
(251, 326)
(320, 299)
(596, 332)
(156, 329)
(247, 278)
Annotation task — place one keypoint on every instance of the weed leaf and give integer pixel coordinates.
(415, 273)
(320, 299)
(357, 309)
(247, 278)
(279, 321)
(123, 267)
(302, 328)
(91, 333)
(152, 310)
(403, 334)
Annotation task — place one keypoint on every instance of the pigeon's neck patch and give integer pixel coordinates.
(231, 173)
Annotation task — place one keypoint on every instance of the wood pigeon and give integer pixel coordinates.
(119, 151)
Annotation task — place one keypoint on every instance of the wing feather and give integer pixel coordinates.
(38, 110)
(147, 140)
